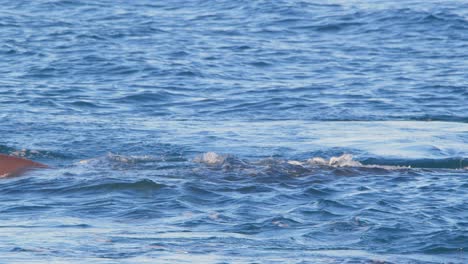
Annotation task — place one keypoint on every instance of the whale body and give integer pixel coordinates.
(14, 166)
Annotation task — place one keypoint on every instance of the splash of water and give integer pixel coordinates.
(211, 158)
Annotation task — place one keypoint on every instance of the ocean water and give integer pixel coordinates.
(224, 131)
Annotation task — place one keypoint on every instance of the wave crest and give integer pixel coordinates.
(211, 158)
(229, 162)
(345, 160)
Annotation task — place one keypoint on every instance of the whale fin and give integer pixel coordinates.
(14, 166)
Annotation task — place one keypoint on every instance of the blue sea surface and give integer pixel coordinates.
(287, 131)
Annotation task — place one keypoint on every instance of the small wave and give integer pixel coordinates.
(330, 27)
(84, 104)
(260, 64)
(447, 163)
(140, 185)
(345, 160)
(145, 97)
(297, 168)
(211, 158)
(32, 153)
(112, 158)
(225, 162)
(188, 73)
(272, 166)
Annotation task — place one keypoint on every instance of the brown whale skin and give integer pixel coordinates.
(14, 166)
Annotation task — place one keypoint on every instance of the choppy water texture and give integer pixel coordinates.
(235, 131)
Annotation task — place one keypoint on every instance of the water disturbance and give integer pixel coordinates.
(223, 131)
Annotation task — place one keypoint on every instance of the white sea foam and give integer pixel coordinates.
(345, 160)
(211, 158)
(317, 161)
(295, 162)
(24, 152)
(122, 159)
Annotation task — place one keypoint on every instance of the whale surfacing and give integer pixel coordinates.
(14, 166)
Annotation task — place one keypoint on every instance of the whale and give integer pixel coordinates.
(14, 166)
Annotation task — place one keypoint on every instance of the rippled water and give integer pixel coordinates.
(235, 131)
